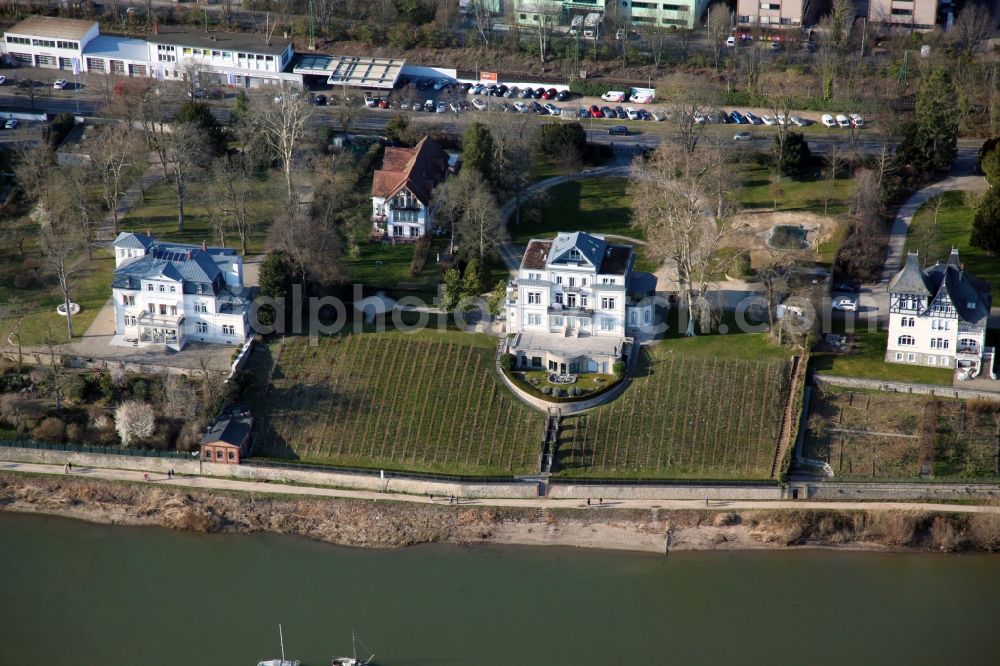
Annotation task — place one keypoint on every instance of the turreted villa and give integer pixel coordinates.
(938, 317)
(575, 302)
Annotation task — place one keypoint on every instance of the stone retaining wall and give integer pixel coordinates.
(833, 491)
(907, 387)
(666, 491)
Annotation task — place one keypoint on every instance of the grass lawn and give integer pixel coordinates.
(90, 287)
(387, 266)
(868, 362)
(429, 402)
(158, 213)
(597, 205)
(810, 195)
(697, 408)
(954, 226)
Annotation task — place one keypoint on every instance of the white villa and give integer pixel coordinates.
(402, 189)
(171, 294)
(574, 303)
(938, 317)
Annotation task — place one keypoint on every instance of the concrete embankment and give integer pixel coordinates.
(387, 524)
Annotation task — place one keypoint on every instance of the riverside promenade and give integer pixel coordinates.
(226, 484)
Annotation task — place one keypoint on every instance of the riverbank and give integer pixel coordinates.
(390, 524)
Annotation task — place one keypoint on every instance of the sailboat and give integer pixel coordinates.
(282, 661)
(354, 661)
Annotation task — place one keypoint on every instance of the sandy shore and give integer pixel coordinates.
(382, 524)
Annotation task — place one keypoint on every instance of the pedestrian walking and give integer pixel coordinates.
(432, 497)
(145, 476)
(706, 501)
(588, 501)
(66, 468)
(70, 466)
(601, 501)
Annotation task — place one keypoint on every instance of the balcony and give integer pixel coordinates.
(566, 311)
(147, 318)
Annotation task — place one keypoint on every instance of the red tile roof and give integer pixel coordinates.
(419, 169)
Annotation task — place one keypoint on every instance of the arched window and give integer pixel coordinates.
(905, 340)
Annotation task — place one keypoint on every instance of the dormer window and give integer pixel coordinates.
(574, 255)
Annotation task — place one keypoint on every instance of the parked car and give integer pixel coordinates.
(563, 95)
(752, 119)
(608, 112)
(856, 120)
(618, 130)
(536, 108)
(798, 122)
(828, 120)
(501, 90)
(552, 109)
(440, 84)
(595, 112)
(843, 121)
(742, 136)
(737, 118)
(644, 114)
(429, 105)
(424, 84)
(620, 113)
(319, 100)
(658, 114)
(767, 119)
(520, 107)
(479, 104)
(3, 80)
(10, 124)
(584, 112)
(731, 41)
(845, 304)
(60, 84)
(527, 93)
(456, 107)
(441, 107)
(405, 106)
(698, 118)
(781, 119)
(477, 89)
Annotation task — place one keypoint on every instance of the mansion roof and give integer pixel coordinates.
(607, 259)
(969, 295)
(419, 169)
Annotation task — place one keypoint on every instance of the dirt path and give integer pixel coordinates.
(209, 483)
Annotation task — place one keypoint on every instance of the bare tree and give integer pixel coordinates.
(114, 155)
(720, 24)
(312, 244)
(233, 188)
(78, 193)
(829, 63)
(513, 136)
(468, 205)
(842, 15)
(483, 18)
(835, 161)
(29, 88)
(656, 38)
(185, 152)
(672, 192)
(548, 12)
(61, 242)
(973, 25)
(34, 164)
(282, 125)
(690, 98)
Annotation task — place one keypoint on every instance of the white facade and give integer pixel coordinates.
(402, 215)
(937, 317)
(576, 286)
(42, 41)
(170, 294)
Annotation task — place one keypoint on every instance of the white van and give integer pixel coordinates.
(828, 120)
(613, 96)
(731, 41)
(843, 121)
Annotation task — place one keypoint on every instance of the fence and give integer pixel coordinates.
(97, 450)
(718, 483)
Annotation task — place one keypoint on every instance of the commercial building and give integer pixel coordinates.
(773, 13)
(45, 41)
(676, 13)
(912, 14)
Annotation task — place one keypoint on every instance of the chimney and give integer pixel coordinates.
(203, 246)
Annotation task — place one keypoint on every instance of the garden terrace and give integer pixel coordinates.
(426, 402)
(894, 436)
(699, 410)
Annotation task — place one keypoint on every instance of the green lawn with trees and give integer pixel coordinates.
(867, 360)
(945, 222)
(596, 205)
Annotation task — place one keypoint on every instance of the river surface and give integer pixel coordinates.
(94, 595)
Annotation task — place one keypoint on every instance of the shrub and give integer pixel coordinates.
(558, 393)
(28, 279)
(51, 429)
(75, 387)
(140, 390)
(19, 412)
(75, 433)
(589, 88)
(421, 250)
(134, 422)
(547, 390)
(190, 435)
(507, 362)
(980, 406)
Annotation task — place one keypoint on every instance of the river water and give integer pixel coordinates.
(81, 594)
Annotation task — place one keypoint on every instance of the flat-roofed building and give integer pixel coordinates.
(46, 41)
(234, 58)
(352, 71)
(676, 13)
(772, 13)
(110, 54)
(911, 14)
